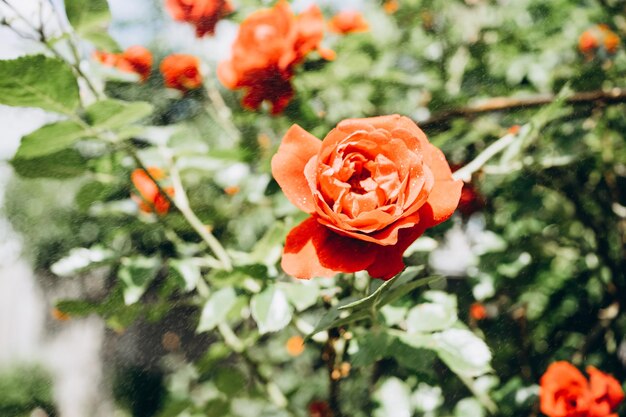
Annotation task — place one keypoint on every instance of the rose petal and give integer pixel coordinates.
(444, 199)
(388, 261)
(296, 149)
(312, 250)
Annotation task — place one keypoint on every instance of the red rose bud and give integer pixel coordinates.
(150, 198)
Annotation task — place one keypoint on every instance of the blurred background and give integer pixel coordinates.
(535, 255)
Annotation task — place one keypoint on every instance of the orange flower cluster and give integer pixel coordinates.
(348, 21)
(372, 187)
(179, 71)
(150, 199)
(596, 37)
(269, 46)
(135, 59)
(565, 392)
(203, 14)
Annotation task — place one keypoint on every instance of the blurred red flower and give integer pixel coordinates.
(606, 393)
(135, 59)
(565, 392)
(150, 198)
(598, 36)
(181, 72)
(270, 44)
(477, 310)
(372, 187)
(319, 409)
(203, 14)
(348, 21)
(471, 200)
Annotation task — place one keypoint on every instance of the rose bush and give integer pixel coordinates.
(372, 187)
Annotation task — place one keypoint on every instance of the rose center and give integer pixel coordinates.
(361, 181)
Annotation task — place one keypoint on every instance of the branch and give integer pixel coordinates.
(496, 104)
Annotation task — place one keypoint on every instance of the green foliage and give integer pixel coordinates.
(25, 81)
(24, 389)
(544, 255)
(50, 139)
(114, 114)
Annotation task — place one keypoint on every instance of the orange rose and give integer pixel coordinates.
(150, 198)
(203, 14)
(135, 59)
(181, 72)
(372, 187)
(606, 393)
(270, 43)
(564, 391)
(348, 21)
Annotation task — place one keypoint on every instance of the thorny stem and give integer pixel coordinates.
(182, 203)
(495, 104)
(329, 355)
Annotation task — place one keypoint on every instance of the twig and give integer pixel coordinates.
(182, 203)
(220, 111)
(495, 104)
(329, 355)
(466, 172)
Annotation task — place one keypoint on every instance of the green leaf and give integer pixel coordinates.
(77, 308)
(49, 139)
(102, 40)
(64, 164)
(216, 309)
(270, 310)
(302, 294)
(185, 272)
(372, 346)
(391, 290)
(440, 314)
(80, 259)
(394, 399)
(38, 81)
(114, 114)
(469, 407)
(335, 317)
(230, 381)
(91, 192)
(87, 15)
(135, 275)
(464, 352)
